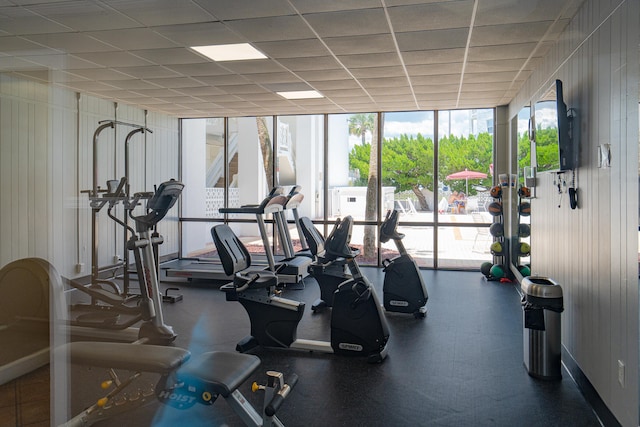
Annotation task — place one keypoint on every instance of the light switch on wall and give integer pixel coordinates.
(604, 156)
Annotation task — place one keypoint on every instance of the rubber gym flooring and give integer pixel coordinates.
(460, 366)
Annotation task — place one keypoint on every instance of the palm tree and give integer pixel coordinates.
(267, 149)
(359, 125)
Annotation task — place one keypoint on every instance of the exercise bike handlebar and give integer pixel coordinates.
(277, 401)
(388, 229)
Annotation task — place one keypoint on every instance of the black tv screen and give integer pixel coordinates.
(554, 151)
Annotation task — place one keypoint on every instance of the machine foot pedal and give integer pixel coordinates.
(171, 298)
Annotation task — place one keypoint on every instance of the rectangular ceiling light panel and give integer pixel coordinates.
(230, 52)
(300, 94)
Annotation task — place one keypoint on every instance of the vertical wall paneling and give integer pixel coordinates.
(592, 251)
(46, 161)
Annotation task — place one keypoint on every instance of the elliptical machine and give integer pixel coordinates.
(404, 290)
(112, 315)
(358, 325)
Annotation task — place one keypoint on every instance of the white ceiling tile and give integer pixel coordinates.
(20, 21)
(292, 48)
(349, 23)
(287, 87)
(510, 51)
(436, 79)
(270, 29)
(361, 44)
(308, 64)
(276, 77)
(494, 12)
(113, 59)
(199, 91)
(70, 42)
(133, 38)
(82, 15)
(150, 71)
(200, 34)
(433, 56)
(243, 9)
(253, 66)
(324, 75)
(137, 52)
(174, 82)
(435, 88)
(394, 82)
(170, 56)
(223, 80)
(505, 34)
(160, 12)
(434, 39)
(375, 72)
(314, 6)
(370, 60)
(494, 66)
(61, 62)
(490, 77)
(99, 74)
(431, 69)
(432, 16)
(132, 84)
(340, 85)
(197, 70)
(343, 93)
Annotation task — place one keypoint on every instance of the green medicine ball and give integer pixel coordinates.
(525, 249)
(524, 270)
(497, 271)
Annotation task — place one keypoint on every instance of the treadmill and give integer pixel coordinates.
(288, 272)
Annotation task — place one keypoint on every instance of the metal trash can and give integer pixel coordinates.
(542, 303)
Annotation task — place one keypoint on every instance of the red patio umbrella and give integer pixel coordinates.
(467, 175)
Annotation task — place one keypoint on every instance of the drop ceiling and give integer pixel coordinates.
(362, 55)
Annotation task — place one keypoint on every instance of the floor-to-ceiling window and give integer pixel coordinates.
(408, 168)
(362, 165)
(299, 161)
(465, 175)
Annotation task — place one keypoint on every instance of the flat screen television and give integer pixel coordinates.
(554, 151)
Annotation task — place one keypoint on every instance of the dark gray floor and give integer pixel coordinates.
(461, 366)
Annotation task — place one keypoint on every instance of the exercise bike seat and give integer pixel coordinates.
(132, 357)
(221, 372)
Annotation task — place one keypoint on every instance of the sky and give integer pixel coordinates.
(456, 122)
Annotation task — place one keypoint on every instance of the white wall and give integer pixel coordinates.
(592, 251)
(46, 139)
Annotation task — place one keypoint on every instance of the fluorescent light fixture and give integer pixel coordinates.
(300, 94)
(230, 52)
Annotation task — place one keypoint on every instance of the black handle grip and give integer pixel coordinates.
(278, 399)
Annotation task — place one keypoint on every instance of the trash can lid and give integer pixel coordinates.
(542, 287)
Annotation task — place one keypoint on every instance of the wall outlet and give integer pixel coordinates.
(80, 267)
(621, 372)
